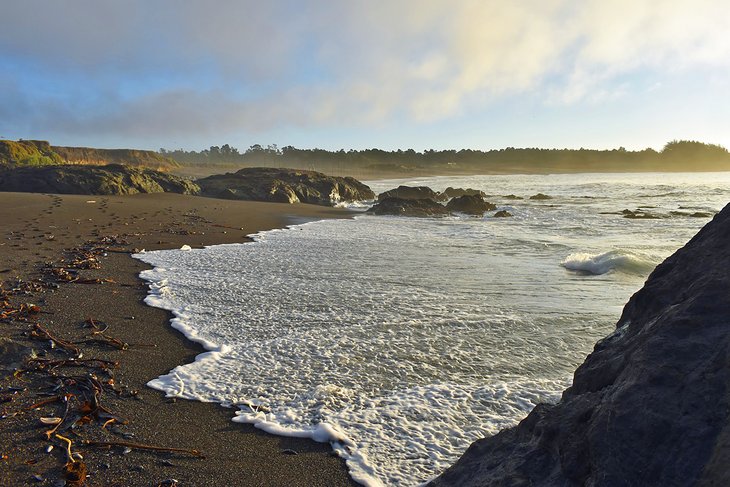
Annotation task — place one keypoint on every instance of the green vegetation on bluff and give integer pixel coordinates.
(41, 153)
(675, 156)
(28, 153)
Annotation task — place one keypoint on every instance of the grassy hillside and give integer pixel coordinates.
(41, 153)
(28, 153)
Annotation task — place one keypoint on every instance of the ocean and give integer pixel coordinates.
(403, 340)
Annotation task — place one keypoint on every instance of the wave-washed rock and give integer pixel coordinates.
(408, 207)
(75, 179)
(411, 193)
(285, 186)
(471, 204)
(650, 404)
(456, 192)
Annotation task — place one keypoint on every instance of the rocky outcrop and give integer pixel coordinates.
(695, 214)
(649, 406)
(513, 197)
(502, 214)
(456, 192)
(411, 193)
(540, 196)
(408, 207)
(111, 179)
(471, 204)
(285, 186)
(640, 215)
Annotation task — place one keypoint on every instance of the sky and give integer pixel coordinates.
(421, 74)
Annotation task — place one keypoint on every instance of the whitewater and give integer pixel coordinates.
(401, 340)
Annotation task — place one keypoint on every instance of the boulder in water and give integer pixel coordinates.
(456, 192)
(408, 207)
(502, 214)
(540, 196)
(640, 214)
(411, 193)
(471, 204)
(696, 214)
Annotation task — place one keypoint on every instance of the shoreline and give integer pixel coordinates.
(235, 454)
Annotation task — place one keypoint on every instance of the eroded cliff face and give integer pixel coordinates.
(649, 406)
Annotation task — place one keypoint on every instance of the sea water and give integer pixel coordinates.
(403, 340)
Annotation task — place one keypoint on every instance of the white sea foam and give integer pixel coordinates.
(614, 260)
(400, 341)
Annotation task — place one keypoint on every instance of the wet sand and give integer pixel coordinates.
(36, 229)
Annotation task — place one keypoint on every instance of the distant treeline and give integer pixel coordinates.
(674, 156)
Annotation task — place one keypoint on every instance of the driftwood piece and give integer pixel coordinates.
(141, 446)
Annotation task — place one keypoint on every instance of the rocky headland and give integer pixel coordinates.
(112, 179)
(649, 406)
(285, 186)
(253, 184)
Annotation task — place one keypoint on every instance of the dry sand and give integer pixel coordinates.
(36, 229)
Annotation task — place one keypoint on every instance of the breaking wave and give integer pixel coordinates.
(615, 260)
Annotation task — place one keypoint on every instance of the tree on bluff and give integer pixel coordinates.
(686, 152)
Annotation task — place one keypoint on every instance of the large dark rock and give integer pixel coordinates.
(411, 193)
(456, 192)
(471, 204)
(74, 179)
(406, 207)
(540, 196)
(285, 186)
(650, 404)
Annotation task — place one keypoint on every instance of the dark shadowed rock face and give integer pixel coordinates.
(73, 179)
(285, 186)
(405, 207)
(411, 193)
(650, 404)
(502, 214)
(471, 204)
(456, 192)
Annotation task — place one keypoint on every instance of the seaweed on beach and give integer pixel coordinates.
(73, 381)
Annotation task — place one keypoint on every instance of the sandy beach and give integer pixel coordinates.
(37, 231)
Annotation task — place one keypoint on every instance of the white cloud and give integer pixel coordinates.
(244, 65)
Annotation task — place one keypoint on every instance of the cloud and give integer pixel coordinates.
(154, 68)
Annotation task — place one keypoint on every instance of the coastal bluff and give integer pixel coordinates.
(41, 153)
(649, 406)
